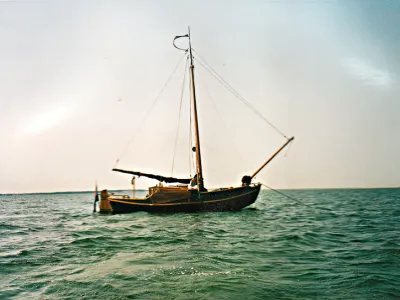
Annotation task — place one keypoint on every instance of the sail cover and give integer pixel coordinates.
(157, 177)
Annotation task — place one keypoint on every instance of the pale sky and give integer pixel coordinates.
(78, 77)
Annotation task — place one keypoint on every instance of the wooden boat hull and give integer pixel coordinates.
(233, 199)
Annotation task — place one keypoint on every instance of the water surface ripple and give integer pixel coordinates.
(53, 247)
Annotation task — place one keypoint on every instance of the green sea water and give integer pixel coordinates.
(53, 247)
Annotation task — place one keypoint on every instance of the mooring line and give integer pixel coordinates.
(296, 200)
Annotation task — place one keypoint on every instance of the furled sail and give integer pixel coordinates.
(157, 177)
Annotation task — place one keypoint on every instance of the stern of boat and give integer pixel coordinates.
(105, 206)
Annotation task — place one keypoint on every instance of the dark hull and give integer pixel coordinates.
(216, 201)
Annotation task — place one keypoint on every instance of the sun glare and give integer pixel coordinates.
(46, 120)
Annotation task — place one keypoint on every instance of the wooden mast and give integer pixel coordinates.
(272, 157)
(200, 182)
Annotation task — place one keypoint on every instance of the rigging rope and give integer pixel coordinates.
(294, 199)
(148, 112)
(179, 120)
(218, 77)
(222, 121)
(191, 162)
(191, 134)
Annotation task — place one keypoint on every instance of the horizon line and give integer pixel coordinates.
(263, 188)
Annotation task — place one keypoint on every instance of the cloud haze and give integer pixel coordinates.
(78, 78)
(369, 74)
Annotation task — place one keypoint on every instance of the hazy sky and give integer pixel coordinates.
(78, 77)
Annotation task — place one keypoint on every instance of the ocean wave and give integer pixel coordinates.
(275, 251)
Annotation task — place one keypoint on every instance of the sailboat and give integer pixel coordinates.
(188, 194)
